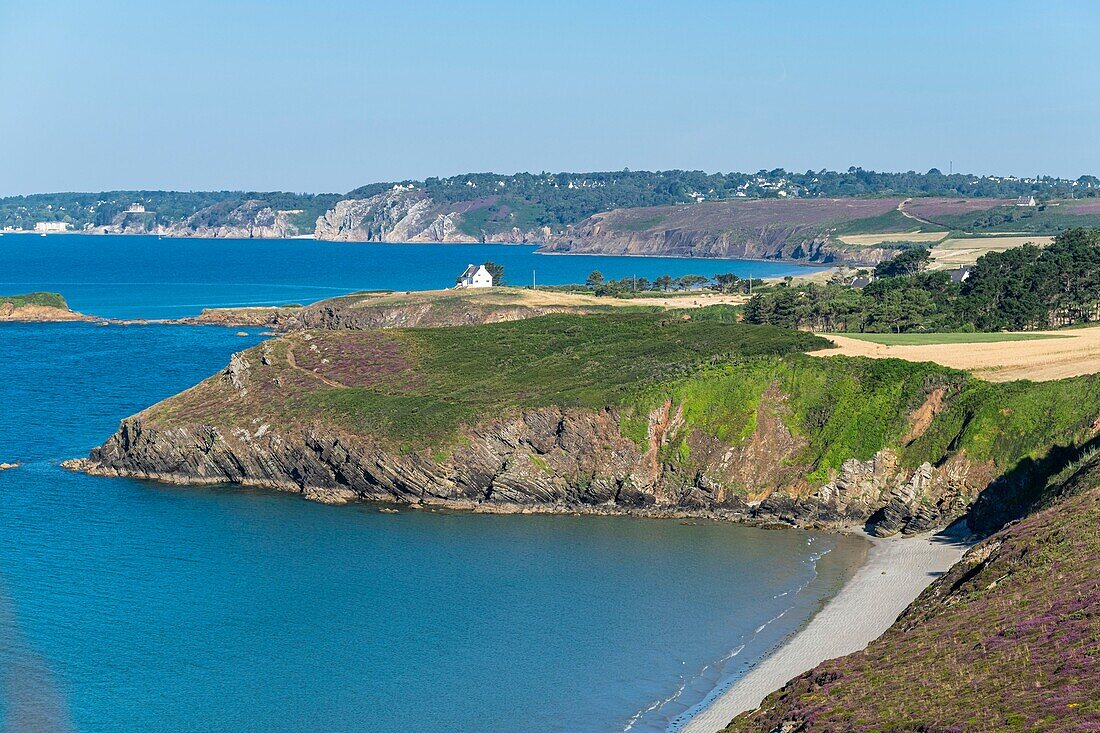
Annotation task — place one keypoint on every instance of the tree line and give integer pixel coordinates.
(550, 199)
(627, 286)
(1021, 289)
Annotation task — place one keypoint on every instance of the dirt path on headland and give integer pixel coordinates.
(896, 572)
(914, 217)
(293, 364)
(1076, 352)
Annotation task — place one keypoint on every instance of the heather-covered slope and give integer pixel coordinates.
(1007, 640)
(801, 229)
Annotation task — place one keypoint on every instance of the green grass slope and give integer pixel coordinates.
(50, 300)
(417, 389)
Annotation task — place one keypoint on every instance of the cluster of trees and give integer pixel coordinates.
(1022, 289)
(627, 286)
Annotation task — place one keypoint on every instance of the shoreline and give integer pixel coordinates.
(317, 495)
(895, 572)
(771, 261)
(538, 247)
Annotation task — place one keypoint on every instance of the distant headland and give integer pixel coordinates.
(855, 217)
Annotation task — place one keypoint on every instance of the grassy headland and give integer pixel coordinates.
(419, 389)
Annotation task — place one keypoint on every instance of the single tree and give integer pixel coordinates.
(595, 279)
(497, 271)
(727, 282)
(909, 262)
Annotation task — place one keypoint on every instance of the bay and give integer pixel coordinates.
(128, 605)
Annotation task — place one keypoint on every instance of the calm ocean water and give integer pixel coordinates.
(143, 277)
(129, 606)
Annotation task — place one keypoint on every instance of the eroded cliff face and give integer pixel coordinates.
(410, 215)
(249, 220)
(10, 313)
(546, 460)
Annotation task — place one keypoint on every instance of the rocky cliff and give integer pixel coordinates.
(546, 460)
(804, 230)
(406, 214)
(252, 219)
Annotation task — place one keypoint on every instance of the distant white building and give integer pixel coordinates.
(51, 227)
(136, 209)
(475, 276)
(960, 275)
(1026, 201)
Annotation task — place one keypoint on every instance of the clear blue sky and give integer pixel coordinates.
(316, 95)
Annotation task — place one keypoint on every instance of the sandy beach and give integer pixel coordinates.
(895, 573)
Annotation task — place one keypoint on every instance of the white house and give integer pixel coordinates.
(475, 276)
(136, 208)
(51, 227)
(1026, 201)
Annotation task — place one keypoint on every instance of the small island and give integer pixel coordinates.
(38, 308)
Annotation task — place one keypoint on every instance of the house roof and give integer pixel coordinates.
(471, 270)
(960, 274)
(861, 282)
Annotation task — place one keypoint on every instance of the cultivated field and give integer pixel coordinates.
(1062, 354)
(885, 237)
(951, 253)
(926, 339)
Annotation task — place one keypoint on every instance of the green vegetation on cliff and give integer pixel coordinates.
(49, 300)
(472, 373)
(416, 389)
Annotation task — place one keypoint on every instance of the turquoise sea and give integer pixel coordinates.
(132, 606)
(147, 277)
